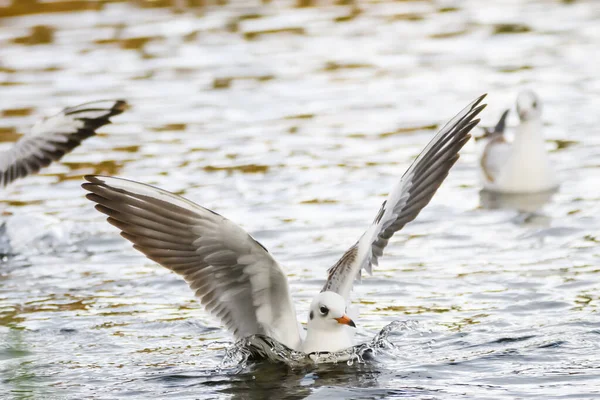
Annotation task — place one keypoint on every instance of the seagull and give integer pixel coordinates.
(237, 279)
(521, 166)
(52, 137)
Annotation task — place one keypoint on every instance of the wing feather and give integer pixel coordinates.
(413, 192)
(234, 276)
(51, 138)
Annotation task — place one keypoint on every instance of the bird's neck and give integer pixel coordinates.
(528, 168)
(327, 339)
(530, 135)
(529, 147)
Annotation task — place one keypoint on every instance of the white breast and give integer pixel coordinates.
(522, 166)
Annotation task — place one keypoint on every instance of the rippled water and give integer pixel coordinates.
(295, 122)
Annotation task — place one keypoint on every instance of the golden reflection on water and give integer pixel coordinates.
(14, 8)
(16, 112)
(39, 34)
(12, 317)
(9, 134)
(27, 7)
(78, 169)
(247, 169)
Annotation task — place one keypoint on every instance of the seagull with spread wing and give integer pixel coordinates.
(51, 138)
(237, 279)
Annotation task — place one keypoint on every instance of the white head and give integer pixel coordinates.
(328, 311)
(529, 106)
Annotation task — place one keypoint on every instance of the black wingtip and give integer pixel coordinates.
(478, 109)
(477, 106)
(119, 107)
(497, 130)
(93, 179)
(115, 107)
(501, 125)
(480, 99)
(469, 126)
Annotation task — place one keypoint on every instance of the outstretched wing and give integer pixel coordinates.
(413, 192)
(53, 137)
(235, 277)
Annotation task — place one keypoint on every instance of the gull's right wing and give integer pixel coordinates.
(235, 277)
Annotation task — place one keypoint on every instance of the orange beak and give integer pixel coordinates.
(344, 319)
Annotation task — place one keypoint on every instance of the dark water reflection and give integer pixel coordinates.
(267, 380)
(295, 122)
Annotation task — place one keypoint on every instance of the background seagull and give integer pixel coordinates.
(53, 137)
(237, 279)
(521, 166)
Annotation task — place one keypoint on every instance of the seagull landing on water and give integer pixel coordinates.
(238, 280)
(521, 166)
(51, 138)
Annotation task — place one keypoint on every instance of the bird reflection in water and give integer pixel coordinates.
(529, 205)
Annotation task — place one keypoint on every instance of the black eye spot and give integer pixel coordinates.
(311, 315)
(534, 104)
(323, 310)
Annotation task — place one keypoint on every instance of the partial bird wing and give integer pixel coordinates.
(53, 137)
(495, 151)
(493, 158)
(496, 130)
(413, 192)
(501, 125)
(235, 277)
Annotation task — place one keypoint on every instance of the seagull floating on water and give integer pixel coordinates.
(51, 138)
(521, 166)
(238, 280)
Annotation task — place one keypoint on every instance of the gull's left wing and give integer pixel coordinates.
(413, 192)
(53, 137)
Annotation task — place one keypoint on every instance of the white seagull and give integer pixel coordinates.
(238, 280)
(53, 137)
(521, 166)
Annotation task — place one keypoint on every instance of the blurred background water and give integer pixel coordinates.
(294, 119)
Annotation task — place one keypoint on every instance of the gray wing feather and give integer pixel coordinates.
(413, 192)
(234, 276)
(51, 138)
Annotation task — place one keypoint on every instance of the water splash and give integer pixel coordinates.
(33, 235)
(263, 348)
